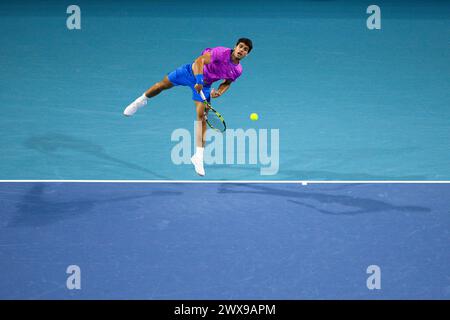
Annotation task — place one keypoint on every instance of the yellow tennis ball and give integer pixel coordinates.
(254, 116)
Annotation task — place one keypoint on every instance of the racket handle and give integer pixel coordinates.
(202, 95)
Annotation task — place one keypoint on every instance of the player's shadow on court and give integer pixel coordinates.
(51, 144)
(40, 207)
(361, 205)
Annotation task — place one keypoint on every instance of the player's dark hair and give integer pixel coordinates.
(247, 41)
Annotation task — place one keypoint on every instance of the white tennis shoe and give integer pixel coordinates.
(135, 105)
(198, 165)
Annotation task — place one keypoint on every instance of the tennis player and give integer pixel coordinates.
(214, 64)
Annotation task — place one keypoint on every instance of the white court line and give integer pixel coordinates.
(228, 181)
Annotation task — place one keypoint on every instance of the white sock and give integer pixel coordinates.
(143, 98)
(199, 152)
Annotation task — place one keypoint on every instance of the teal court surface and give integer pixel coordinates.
(362, 115)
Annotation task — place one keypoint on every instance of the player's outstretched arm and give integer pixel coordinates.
(224, 86)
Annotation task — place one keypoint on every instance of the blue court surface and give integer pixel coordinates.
(224, 240)
(80, 184)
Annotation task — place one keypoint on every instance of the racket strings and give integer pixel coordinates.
(215, 121)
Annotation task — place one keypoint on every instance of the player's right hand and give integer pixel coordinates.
(198, 87)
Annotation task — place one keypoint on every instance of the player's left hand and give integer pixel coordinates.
(215, 94)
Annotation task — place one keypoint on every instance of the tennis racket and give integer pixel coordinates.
(214, 119)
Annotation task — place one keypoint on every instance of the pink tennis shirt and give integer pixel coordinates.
(221, 66)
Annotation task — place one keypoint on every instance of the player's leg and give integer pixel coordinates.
(200, 134)
(154, 90)
(200, 110)
(204, 132)
(158, 87)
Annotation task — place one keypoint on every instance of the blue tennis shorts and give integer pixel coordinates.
(183, 76)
